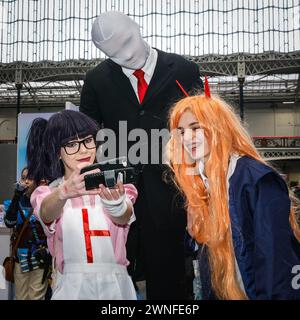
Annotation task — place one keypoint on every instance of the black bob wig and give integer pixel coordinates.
(45, 139)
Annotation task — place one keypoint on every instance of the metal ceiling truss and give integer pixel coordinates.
(72, 72)
(45, 70)
(278, 148)
(255, 64)
(284, 154)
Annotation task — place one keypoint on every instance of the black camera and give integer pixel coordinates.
(41, 255)
(109, 174)
(19, 187)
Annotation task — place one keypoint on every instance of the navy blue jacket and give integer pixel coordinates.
(265, 247)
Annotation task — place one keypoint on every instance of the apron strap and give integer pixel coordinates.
(86, 201)
(98, 201)
(102, 268)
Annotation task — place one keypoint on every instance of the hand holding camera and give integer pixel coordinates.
(21, 186)
(111, 179)
(74, 186)
(114, 200)
(108, 174)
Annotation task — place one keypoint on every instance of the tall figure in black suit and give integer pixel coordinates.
(137, 84)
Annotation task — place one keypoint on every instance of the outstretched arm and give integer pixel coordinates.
(53, 204)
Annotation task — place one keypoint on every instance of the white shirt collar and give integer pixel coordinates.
(232, 164)
(149, 66)
(231, 168)
(201, 172)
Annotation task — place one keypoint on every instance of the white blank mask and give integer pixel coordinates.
(119, 37)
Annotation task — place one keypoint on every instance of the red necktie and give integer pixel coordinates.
(142, 84)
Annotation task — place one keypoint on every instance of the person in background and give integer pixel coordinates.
(239, 210)
(32, 259)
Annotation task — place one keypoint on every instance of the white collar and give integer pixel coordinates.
(232, 164)
(149, 66)
(201, 172)
(231, 168)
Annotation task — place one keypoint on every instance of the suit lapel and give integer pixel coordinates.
(122, 83)
(162, 73)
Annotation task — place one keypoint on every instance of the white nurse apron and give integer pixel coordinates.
(90, 270)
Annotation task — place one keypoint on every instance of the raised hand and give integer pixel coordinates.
(75, 186)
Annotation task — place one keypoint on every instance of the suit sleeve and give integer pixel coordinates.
(274, 256)
(89, 103)
(198, 84)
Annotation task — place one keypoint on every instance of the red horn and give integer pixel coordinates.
(206, 88)
(181, 88)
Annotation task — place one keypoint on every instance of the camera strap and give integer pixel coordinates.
(14, 249)
(34, 231)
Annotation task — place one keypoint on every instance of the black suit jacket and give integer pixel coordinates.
(108, 97)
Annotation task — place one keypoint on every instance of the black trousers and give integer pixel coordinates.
(156, 253)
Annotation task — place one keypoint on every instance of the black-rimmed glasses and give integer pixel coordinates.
(74, 146)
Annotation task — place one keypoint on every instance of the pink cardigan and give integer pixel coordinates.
(54, 231)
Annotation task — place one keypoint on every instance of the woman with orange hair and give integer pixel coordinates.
(239, 210)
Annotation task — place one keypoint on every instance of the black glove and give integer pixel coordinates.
(11, 216)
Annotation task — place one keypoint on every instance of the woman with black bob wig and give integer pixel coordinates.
(86, 229)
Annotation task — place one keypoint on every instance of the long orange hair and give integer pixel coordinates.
(209, 210)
